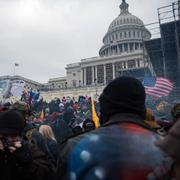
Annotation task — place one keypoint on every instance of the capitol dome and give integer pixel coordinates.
(126, 33)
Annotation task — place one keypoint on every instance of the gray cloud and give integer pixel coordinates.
(45, 35)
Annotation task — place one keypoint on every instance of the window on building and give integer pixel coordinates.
(138, 62)
(113, 37)
(100, 74)
(109, 72)
(127, 20)
(89, 75)
(130, 34)
(124, 64)
(134, 34)
(126, 47)
(74, 83)
(125, 34)
(136, 46)
(141, 46)
(110, 38)
(115, 49)
(116, 36)
(138, 34)
(120, 35)
(131, 64)
(118, 65)
(74, 74)
(118, 68)
(120, 48)
(131, 46)
(106, 53)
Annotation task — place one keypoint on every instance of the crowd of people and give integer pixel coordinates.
(120, 136)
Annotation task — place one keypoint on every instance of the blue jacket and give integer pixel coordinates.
(122, 149)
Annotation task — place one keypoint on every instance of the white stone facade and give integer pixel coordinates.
(123, 49)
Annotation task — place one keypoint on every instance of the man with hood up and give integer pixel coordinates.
(20, 160)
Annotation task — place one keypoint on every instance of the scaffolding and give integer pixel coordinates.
(164, 47)
(166, 14)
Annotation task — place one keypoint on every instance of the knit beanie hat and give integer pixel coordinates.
(11, 123)
(123, 95)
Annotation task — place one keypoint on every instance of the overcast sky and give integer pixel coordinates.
(45, 35)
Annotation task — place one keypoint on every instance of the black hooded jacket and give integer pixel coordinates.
(27, 163)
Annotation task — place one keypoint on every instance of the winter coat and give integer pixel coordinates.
(27, 163)
(48, 146)
(61, 130)
(122, 149)
(52, 150)
(64, 154)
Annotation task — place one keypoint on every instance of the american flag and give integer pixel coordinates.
(157, 86)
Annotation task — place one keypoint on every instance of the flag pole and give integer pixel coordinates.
(15, 65)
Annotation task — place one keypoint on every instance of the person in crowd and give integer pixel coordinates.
(171, 145)
(19, 159)
(150, 120)
(50, 142)
(176, 112)
(68, 115)
(38, 140)
(123, 148)
(77, 130)
(61, 107)
(88, 125)
(68, 145)
(61, 130)
(162, 112)
(24, 109)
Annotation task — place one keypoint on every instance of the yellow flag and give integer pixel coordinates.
(42, 114)
(94, 115)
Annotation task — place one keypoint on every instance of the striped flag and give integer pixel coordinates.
(157, 86)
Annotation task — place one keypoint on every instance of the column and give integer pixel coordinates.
(113, 65)
(133, 46)
(96, 74)
(128, 46)
(123, 48)
(136, 61)
(104, 73)
(85, 76)
(118, 50)
(81, 79)
(92, 75)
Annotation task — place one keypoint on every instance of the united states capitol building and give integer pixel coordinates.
(122, 53)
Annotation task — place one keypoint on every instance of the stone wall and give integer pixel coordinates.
(93, 91)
